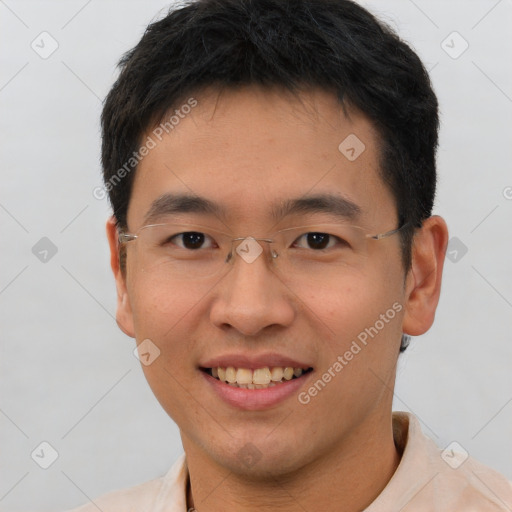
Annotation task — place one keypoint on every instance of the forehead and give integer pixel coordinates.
(253, 151)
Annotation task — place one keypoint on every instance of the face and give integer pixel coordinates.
(248, 151)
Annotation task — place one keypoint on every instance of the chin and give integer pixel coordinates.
(260, 458)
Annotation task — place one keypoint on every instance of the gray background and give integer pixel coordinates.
(69, 376)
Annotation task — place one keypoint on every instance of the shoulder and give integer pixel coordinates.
(469, 484)
(137, 498)
(431, 479)
(146, 496)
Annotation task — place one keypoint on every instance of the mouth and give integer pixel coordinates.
(258, 378)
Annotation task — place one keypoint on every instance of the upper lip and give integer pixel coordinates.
(253, 362)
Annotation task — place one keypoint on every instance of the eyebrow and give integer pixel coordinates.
(335, 206)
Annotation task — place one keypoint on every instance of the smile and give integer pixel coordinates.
(259, 378)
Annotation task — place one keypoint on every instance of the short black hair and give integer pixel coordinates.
(333, 45)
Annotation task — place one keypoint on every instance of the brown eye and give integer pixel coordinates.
(320, 241)
(192, 240)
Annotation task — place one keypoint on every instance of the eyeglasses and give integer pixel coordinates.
(186, 252)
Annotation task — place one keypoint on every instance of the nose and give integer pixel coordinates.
(252, 297)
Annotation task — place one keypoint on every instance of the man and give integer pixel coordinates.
(271, 167)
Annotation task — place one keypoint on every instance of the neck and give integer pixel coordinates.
(348, 478)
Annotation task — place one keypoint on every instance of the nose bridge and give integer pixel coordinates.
(252, 259)
(249, 302)
(250, 248)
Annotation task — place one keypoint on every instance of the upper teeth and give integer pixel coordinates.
(259, 376)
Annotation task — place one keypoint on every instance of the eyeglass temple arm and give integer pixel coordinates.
(388, 233)
(125, 237)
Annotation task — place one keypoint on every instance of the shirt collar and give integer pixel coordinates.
(422, 482)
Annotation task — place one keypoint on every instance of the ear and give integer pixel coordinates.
(124, 316)
(423, 284)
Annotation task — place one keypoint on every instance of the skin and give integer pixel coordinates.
(246, 149)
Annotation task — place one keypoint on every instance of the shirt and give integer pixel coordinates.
(427, 479)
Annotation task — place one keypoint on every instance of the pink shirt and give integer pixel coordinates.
(427, 479)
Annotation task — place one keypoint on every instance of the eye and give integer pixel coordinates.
(190, 240)
(320, 241)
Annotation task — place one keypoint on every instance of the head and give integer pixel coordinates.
(248, 104)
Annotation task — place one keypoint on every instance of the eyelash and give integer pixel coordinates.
(332, 237)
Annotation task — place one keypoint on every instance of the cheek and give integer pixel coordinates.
(351, 305)
(365, 309)
(365, 328)
(157, 308)
(165, 316)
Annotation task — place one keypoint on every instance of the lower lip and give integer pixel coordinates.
(255, 399)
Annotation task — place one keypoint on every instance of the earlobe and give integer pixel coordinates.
(124, 316)
(423, 285)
